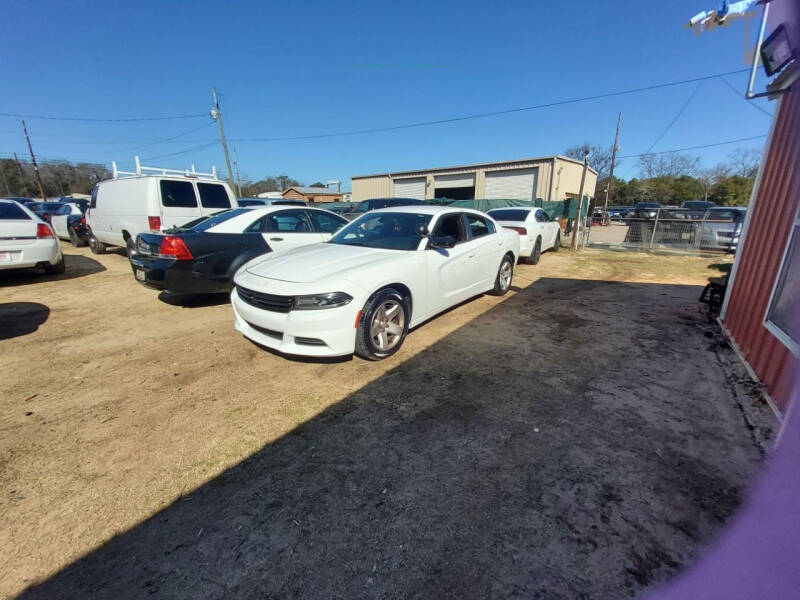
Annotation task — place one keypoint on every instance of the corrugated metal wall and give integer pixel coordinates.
(772, 215)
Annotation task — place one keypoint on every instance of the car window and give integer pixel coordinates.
(451, 225)
(721, 215)
(288, 221)
(388, 230)
(213, 195)
(177, 194)
(206, 223)
(509, 214)
(65, 210)
(9, 210)
(93, 201)
(541, 216)
(478, 226)
(325, 223)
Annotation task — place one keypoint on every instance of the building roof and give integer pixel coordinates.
(313, 191)
(478, 166)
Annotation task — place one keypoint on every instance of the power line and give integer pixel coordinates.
(490, 114)
(671, 123)
(99, 120)
(738, 95)
(740, 140)
(181, 152)
(169, 139)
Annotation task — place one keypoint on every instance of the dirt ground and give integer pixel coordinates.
(584, 436)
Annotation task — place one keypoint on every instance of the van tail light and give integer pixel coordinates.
(519, 230)
(155, 223)
(43, 231)
(175, 247)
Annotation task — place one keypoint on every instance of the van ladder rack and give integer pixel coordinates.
(142, 171)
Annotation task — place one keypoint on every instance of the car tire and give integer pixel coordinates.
(557, 245)
(375, 339)
(56, 269)
(536, 254)
(505, 274)
(96, 246)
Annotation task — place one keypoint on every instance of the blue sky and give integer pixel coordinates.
(292, 69)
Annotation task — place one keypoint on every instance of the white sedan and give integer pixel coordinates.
(537, 231)
(384, 273)
(27, 241)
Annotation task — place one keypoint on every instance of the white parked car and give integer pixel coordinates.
(537, 231)
(382, 274)
(150, 200)
(60, 220)
(27, 241)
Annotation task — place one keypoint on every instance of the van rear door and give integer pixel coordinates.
(178, 202)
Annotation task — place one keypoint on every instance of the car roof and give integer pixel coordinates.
(425, 209)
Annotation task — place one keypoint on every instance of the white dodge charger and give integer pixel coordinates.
(384, 273)
(537, 231)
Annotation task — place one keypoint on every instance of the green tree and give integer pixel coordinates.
(732, 191)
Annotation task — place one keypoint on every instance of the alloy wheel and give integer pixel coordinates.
(388, 324)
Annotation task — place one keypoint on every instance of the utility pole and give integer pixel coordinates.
(238, 179)
(216, 114)
(33, 160)
(613, 161)
(574, 243)
(23, 183)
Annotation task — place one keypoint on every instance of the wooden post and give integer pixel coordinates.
(574, 243)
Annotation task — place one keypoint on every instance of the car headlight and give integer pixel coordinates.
(318, 301)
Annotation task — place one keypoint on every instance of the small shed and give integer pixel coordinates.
(312, 194)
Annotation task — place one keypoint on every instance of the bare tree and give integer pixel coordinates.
(599, 157)
(672, 164)
(708, 178)
(744, 162)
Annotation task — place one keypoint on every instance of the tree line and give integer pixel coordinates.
(673, 178)
(58, 178)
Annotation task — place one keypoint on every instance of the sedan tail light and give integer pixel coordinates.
(83, 220)
(155, 223)
(43, 231)
(175, 247)
(519, 230)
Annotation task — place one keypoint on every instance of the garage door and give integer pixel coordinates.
(455, 181)
(410, 188)
(514, 184)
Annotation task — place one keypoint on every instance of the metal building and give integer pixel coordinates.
(761, 311)
(549, 178)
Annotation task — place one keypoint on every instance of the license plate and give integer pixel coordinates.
(140, 274)
(5, 256)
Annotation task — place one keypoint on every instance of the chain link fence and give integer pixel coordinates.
(670, 230)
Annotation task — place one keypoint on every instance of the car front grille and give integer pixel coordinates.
(270, 302)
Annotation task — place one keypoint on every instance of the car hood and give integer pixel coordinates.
(319, 262)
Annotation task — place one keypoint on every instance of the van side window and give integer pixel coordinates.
(213, 195)
(177, 193)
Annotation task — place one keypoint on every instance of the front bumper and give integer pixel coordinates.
(176, 276)
(323, 333)
(21, 254)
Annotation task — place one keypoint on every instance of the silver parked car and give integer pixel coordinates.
(721, 228)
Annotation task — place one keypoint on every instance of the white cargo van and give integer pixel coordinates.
(150, 200)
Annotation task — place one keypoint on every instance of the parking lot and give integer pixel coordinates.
(583, 436)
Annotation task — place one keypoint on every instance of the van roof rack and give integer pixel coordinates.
(142, 171)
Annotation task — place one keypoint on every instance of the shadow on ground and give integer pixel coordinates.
(194, 300)
(21, 318)
(76, 266)
(577, 440)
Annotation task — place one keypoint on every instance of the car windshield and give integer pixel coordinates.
(48, 206)
(386, 230)
(509, 214)
(216, 219)
(648, 205)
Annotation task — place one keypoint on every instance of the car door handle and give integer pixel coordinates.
(471, 255)
(275, 239)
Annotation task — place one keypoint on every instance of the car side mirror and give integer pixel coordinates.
(443, 241)
(422, 230)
